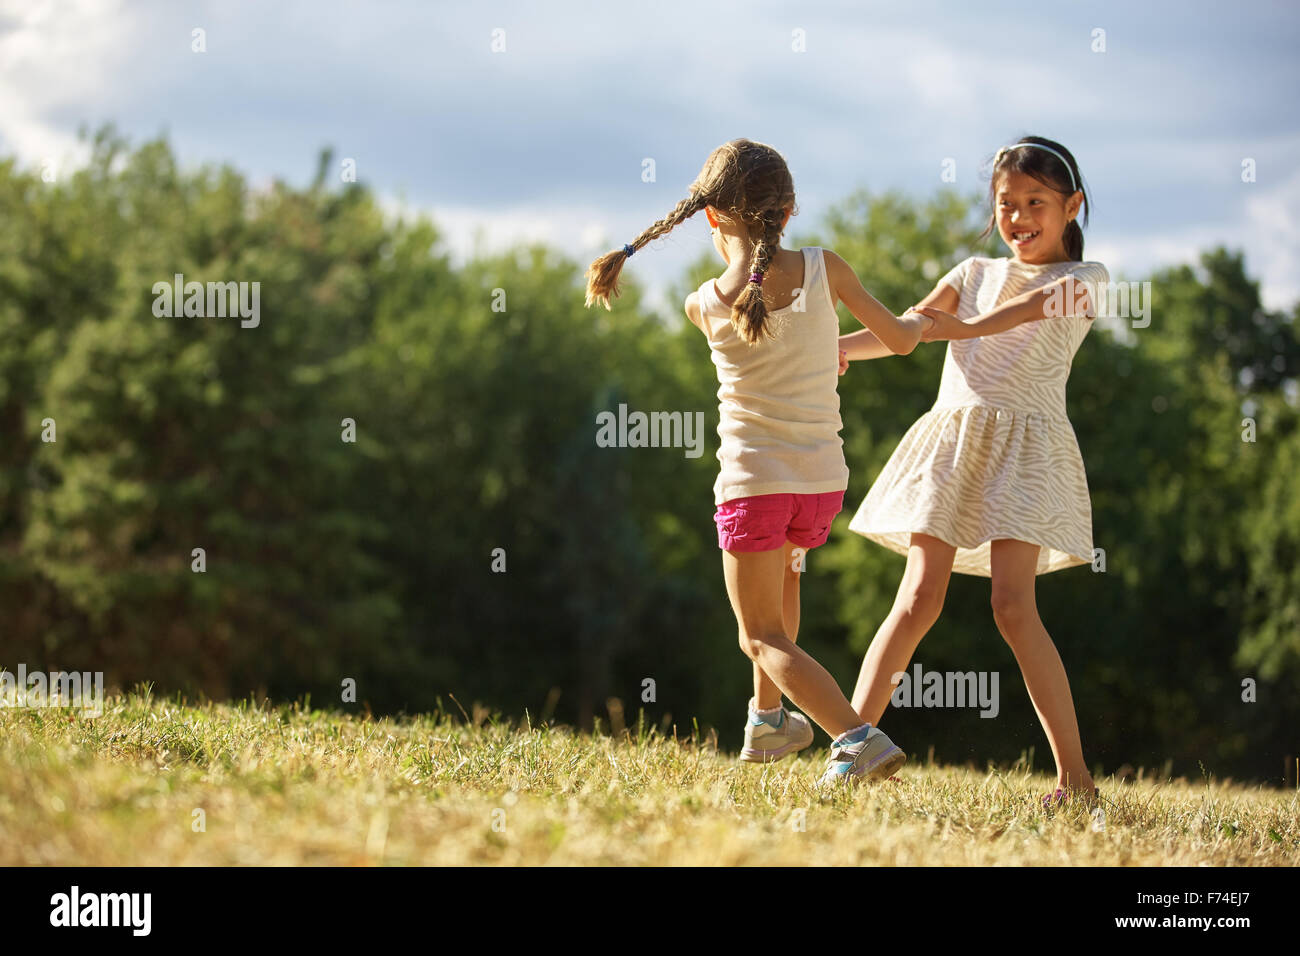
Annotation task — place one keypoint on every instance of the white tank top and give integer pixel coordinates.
(778, 408)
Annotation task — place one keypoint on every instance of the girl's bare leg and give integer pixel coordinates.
(916, 608)
(755, 585)
(1016, 612)
(766, 694)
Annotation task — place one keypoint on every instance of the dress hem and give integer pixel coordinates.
(1058, 558)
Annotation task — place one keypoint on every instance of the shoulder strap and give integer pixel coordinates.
(712, 309)
(710, 304)
(816, 281)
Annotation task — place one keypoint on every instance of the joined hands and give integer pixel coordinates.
(943, 325)
(940, 327)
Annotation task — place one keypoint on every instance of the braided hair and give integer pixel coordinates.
(747, 182)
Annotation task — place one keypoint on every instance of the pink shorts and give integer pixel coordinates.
(767, 522)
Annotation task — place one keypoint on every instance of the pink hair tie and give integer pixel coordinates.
(756, 278)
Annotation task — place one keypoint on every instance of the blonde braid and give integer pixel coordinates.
(749, 312)
(602, 275)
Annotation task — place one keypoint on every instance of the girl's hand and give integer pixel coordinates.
(927, 325)
(945, 325)
(844, 361)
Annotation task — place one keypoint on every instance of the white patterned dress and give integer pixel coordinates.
(996, 456)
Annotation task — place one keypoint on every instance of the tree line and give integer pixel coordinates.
(182, 503)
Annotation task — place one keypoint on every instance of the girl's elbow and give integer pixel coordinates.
(908, 341)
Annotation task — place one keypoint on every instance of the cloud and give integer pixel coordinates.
(1271, 238)
(545, 141)
(54, 59)
(581, 233)
(1263, 226)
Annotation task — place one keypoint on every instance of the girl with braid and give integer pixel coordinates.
(771, 324)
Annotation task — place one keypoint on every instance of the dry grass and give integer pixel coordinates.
(290, 785)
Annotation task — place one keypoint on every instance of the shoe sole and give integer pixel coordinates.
(884, 765)
(750, 755)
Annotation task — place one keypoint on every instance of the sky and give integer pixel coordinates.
(512, 122)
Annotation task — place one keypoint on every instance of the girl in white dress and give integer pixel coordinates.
(990, 481)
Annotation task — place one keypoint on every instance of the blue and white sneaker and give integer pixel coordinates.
(874, 757)
(766, 742)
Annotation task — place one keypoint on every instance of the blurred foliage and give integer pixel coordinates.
(476, 429)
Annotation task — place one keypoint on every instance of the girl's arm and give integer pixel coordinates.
(865, 345)
(1067, 296)
(885, 333)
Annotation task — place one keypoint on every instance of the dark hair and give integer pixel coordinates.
(746, 181)
(1048, 170)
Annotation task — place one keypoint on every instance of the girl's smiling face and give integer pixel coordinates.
(1032, 217)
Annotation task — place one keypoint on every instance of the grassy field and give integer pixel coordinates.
(154, 782)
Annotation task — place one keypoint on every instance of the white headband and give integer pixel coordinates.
(1074, 188)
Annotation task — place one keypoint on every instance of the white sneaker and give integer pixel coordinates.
(872, 758)
(765, 743)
